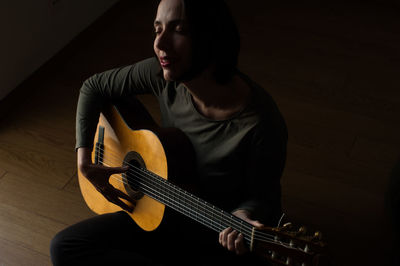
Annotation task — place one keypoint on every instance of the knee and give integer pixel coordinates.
(58, 250)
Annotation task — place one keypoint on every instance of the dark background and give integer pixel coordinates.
(333, 69)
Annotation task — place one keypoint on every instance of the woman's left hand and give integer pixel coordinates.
(232, 239)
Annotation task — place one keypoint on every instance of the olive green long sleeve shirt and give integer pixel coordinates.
(239, 160)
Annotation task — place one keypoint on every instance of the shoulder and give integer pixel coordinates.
(148, 69)
(270, 121)
(144, 69)
(149, 64)
(142, 77)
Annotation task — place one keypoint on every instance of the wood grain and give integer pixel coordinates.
(26, 194)
(29, 156)
(27, 229)
(12, 254)
(2, 173)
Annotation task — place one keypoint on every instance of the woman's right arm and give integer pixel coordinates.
(98, 90)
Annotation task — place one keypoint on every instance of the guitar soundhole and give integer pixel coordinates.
(132, 177)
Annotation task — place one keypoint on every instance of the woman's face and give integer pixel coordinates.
(172, 43)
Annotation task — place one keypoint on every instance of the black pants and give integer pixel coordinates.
(115, 239)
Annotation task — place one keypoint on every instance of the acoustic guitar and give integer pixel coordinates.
(154, 154)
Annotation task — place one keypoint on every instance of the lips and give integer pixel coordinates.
(165, 61)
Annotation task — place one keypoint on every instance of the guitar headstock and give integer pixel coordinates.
(290, 245)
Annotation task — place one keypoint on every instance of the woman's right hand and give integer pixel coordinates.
(99, 176)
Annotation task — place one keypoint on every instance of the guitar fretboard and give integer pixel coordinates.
(186, 203)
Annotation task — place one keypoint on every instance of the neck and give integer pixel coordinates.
(218, 101)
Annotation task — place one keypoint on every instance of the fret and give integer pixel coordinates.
(189, 210)
(205, 211)
(221, 220)
(212, 215)
(179, 196)
(209, 214)
(180, 200)
(174, 199)
(185, 205)
(162, 188)
(197, 207)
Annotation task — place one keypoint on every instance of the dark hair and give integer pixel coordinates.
(215, 38)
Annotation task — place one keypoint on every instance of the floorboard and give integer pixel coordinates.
(13, 254)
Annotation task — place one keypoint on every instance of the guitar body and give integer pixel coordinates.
(142, 143)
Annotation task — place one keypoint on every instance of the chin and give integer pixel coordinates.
(169, 76)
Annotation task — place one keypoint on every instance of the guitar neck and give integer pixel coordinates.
(187, 204)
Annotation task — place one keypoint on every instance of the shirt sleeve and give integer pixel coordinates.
(119, 83)
(264, 168)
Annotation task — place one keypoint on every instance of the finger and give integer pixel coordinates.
(116, 194)
(110, 193)
(123, 205)
(221, 237)
(122, 195)
(231, 240)
(120, 203)
(256, 224)
(240, 247)
(117, 170)
(102, 189)
(224, 236)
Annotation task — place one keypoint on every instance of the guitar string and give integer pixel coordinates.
(238, 221)
(202, 218)
(218, 229)
(215, 227)
(264, 236)
(185, 209)
(215, 212)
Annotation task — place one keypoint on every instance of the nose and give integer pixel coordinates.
(163, 41)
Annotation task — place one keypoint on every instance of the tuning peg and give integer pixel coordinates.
(274, 255)
(317, 236)
(287, 226)
(302, 230)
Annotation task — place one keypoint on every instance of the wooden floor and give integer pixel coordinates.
(332, 69)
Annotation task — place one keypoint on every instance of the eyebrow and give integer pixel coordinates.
(173, 22)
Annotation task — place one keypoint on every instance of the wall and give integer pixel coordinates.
(34, 31)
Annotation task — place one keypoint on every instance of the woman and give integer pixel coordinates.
(237, 132)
